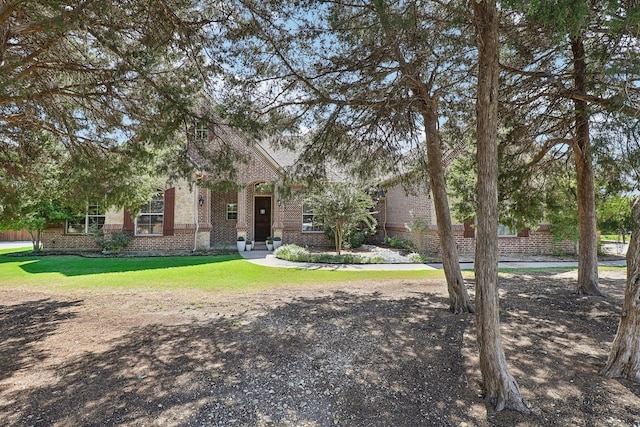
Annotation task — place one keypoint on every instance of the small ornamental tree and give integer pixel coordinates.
(36, 217)
(614, 215)
(341, 206)
(30, 190)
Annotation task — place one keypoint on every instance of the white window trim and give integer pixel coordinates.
(135, 223)
(86, 221)
(202, 131)
(313, 222)
(232, 211)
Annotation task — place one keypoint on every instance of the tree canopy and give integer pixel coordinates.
(116, 85)
(342, 206)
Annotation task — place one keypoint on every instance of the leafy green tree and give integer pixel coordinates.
(341, 207)
(46, 184)
(369, 80)
(109, 81)
(35, 216)
(29, 196)
(616, 151)
(525, 193)
(614, 215)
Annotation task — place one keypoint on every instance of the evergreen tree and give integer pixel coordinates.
(109, 81)
(368, 79)
(499, 385)
(568, 62)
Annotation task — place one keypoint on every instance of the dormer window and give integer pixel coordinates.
(202, 130)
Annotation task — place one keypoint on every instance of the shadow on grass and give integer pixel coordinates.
(339, 359)
(70, 265)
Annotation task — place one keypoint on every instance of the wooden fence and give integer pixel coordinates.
(14, 236)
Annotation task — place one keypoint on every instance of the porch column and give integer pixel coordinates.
(242, 227)
(278, 226)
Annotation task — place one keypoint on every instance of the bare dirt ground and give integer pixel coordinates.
(375, 354)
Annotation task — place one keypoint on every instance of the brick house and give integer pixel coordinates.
(185, 216)
(398, 210)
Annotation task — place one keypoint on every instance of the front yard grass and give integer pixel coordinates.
(214, 273)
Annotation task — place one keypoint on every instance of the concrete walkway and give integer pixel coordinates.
(268, 259)
(15, 245)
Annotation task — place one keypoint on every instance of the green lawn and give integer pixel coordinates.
(223, 272)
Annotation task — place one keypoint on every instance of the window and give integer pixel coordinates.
(263, 188)
(309, 222)
(232, 211)
(202, 131)
(94, 218)
(506, 231)
(151, 219)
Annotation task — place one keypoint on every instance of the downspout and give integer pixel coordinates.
(196, 204)
(384, 224)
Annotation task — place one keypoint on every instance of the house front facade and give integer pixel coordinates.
(187, 216)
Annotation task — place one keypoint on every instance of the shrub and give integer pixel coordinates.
(299, 254)
(420, 227)
(111, 242)
(292, 253)
(399, 243)
(416, 258)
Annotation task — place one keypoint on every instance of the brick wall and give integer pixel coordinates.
(539, 242)
(402, 206)
(223, 231)
(53, 238)
(399, 207)
(183, 239)
(292, 220)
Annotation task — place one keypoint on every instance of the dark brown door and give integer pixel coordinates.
(262, 218)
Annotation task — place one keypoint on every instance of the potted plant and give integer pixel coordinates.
(277, 242)
(241, 244)
(249, 244)
(269, 243)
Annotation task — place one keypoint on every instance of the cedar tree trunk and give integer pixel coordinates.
(499, 385)
(459, 301)
(587, 241)
(624, 360)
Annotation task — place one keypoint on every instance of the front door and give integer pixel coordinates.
(262, 218)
